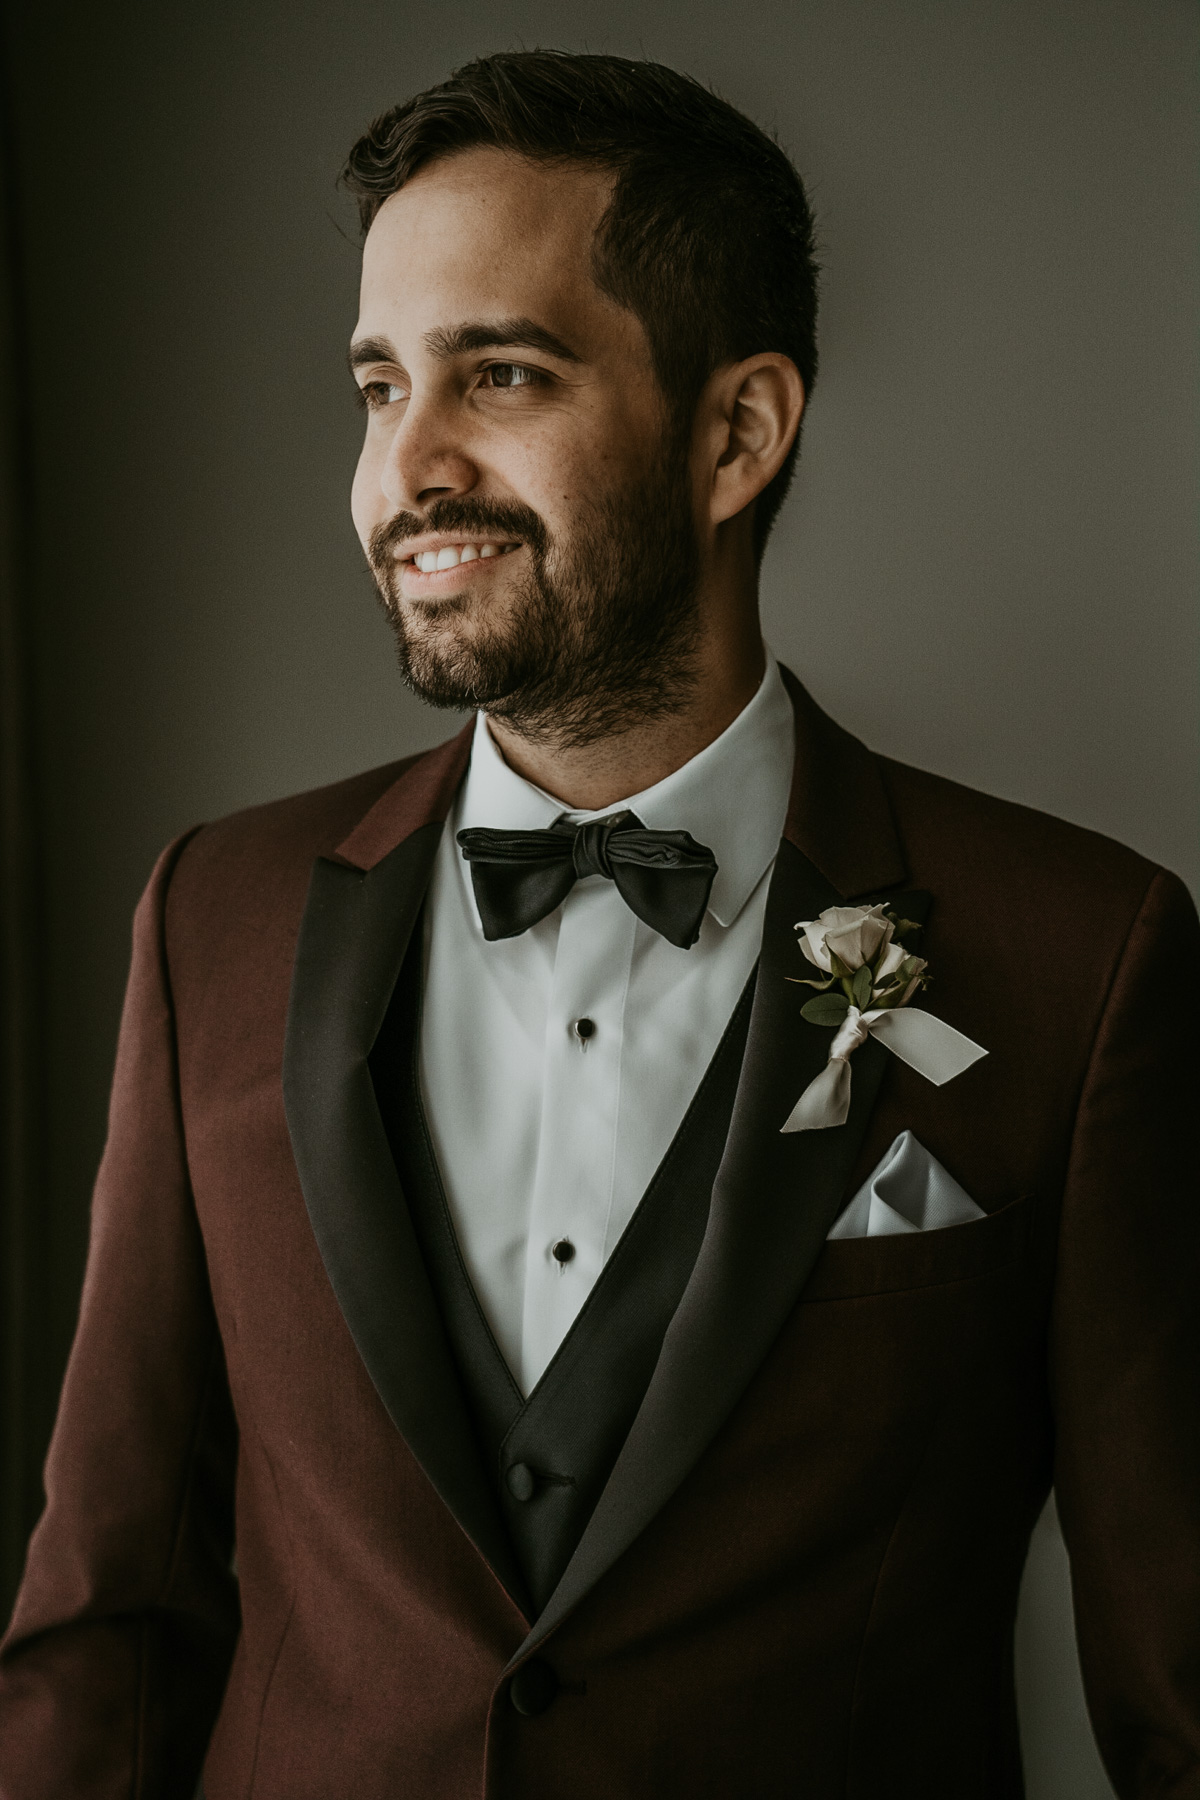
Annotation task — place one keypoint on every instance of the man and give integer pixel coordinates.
(621, 1371)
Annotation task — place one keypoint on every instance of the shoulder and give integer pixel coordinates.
(1031, 886)
(980, 841)
(250, 871)
(294, 829)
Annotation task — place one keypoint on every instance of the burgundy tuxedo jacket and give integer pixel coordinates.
(802, 1575)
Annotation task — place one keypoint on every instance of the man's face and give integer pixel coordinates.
(521, 496)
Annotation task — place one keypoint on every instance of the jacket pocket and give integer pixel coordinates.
(884, 1265)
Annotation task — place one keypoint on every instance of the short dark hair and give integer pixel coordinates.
(708, 237)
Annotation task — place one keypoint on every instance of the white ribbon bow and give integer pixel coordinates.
(928, 1045)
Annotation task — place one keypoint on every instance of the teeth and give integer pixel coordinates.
(430, 560)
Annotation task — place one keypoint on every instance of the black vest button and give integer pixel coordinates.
(533, 1687)
(520, 1483)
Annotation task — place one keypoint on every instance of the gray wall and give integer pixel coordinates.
(986, 568)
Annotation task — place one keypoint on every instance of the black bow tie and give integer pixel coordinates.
(520, 876)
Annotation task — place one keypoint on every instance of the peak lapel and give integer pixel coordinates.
(783, 1192)
(422, 794)
(362, 906)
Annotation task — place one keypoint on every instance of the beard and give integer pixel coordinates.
(599, 637)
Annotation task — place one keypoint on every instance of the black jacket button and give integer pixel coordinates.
(533, 1687)
(520, 1481)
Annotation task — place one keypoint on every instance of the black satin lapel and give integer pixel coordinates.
(773, 1203)
(355, 931)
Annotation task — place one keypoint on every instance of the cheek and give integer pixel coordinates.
(559, 475)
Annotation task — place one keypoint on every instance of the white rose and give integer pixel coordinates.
(893, 956)
(897, 954)
(854, 933)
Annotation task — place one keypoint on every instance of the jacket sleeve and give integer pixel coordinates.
(113, 1666)
(1125, 1361)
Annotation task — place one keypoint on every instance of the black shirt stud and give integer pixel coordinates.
(520, 1481)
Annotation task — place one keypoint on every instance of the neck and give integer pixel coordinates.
(589, 777)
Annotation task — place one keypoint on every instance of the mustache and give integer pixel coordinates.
(502, 519)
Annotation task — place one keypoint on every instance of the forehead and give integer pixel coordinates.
(487, 234)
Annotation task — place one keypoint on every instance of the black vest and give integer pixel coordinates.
(550, 1455)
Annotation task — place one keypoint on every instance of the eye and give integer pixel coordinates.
(513, 375)
(374, 394)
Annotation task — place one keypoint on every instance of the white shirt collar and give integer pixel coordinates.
(732, 796)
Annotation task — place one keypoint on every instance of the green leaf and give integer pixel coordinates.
(819, 985)
(862, 988)
(838, 966)
(825, 1009)
(904, 927)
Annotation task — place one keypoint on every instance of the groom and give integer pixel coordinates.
(581, 1430)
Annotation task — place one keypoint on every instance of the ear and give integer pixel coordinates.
(746, 422)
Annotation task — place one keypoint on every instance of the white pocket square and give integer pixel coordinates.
(909, 1191)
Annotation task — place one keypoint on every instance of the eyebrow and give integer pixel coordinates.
(496, 334)
(458, 340)
(369, 350)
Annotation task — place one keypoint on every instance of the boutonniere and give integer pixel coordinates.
(867, 978)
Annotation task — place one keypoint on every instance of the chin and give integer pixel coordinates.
(447, 640)
(444, 666)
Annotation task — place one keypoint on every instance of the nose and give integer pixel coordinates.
(425, 461)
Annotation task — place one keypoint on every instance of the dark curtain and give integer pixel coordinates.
(22, 1219)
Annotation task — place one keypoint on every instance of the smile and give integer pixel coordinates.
(451, 555)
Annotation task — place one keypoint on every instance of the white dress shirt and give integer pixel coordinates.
(543, 1135)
